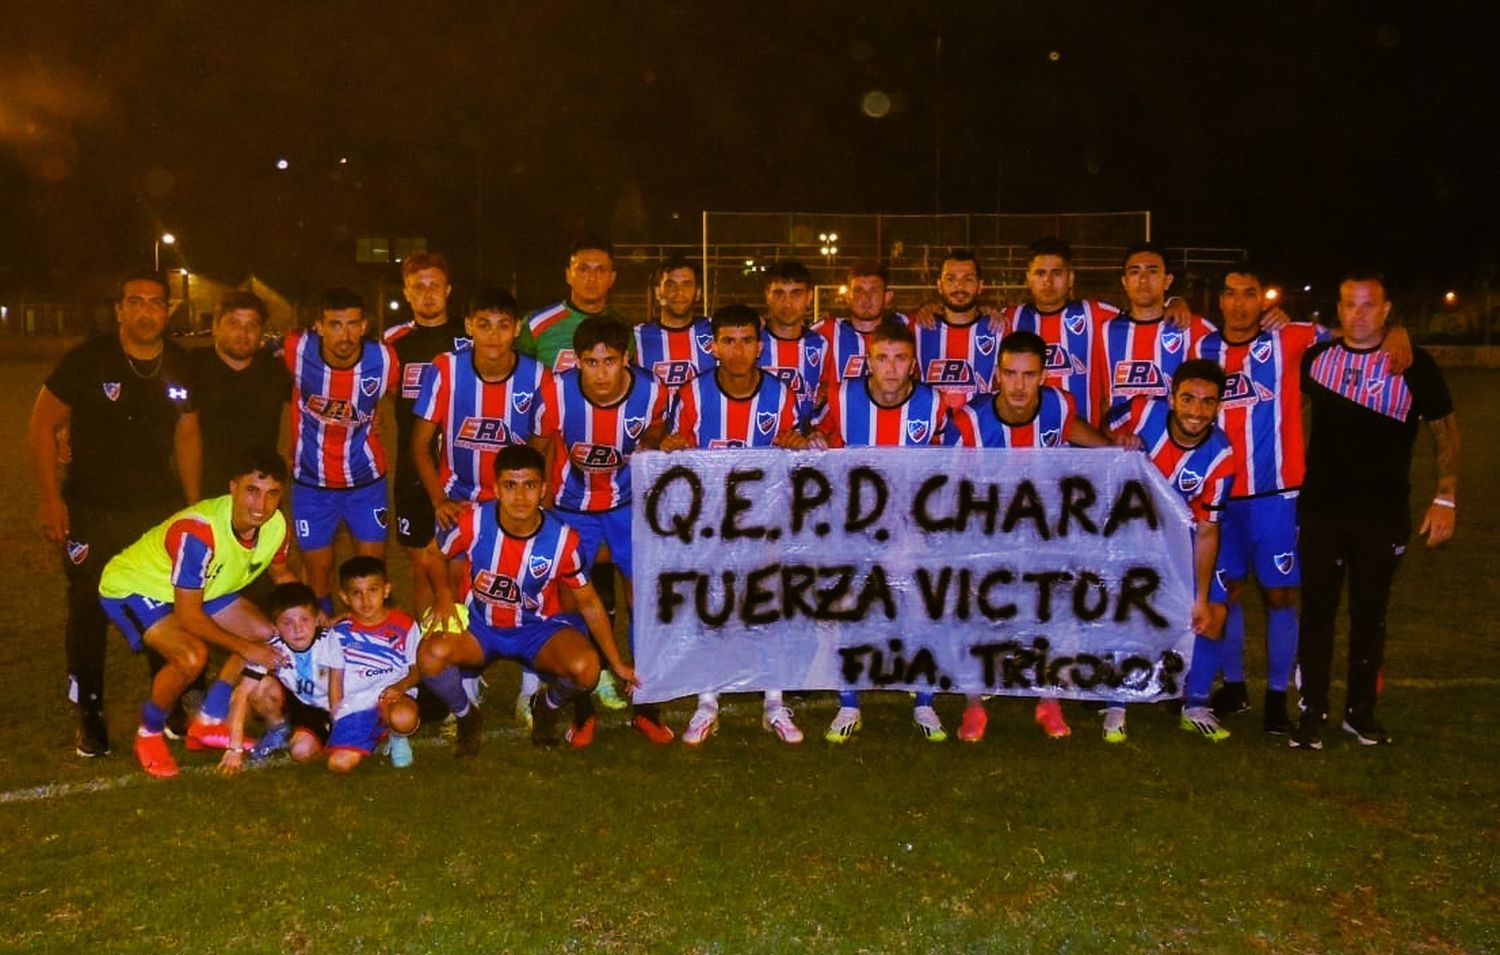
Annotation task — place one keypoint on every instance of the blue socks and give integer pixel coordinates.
(449, 687)
(1281, 647)
(1234, 644)
(153, 719)
(216, 703)
(1207, 656)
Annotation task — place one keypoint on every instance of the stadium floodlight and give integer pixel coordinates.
(166, 238)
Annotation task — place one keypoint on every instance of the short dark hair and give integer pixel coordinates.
(293, 593)
(1144, 245)
(890, 330)
(141, 275)
(520, 457)
(593, 243)
(601, 330)
(673, 264)
(361, 565)
(341, 298)
(1363, 273)
(1199, 369)
(494, 300)
(241, 301)
(870, 268)
(1024, 343)
(1243, 267)
(734, 316)
(418, 261)
(788, 270)
(1050, 245)
(260, 460)
(964, 255)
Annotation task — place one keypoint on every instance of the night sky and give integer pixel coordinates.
(1312, 133)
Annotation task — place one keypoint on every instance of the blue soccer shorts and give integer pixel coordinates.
(610, 528)
(134, 615)
(1258, 534)
(522, 643)
(360, 731)
(317, 512)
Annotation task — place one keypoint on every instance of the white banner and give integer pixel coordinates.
(1055, 572)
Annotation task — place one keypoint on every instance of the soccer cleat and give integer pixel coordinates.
(93, 736)
(1229, 699)
(1114, 725)
(470, 733)
(845, 724)
(1366, 728)
(778, 719)
(929, 724)
(1049, 717)
(1201, 720)
(608, 693)
(1274, 718)
(203, 735)
(580, 735)
(177, 722)
(275, 738)
(448, 728)
(475, 687)
(652, 728)
(399, 748)
(1309, 732)
(705, 723)
(523, 710)
(971, 727)
(544, 720)
(152, 753)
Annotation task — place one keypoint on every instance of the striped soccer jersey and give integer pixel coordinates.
(709, 419)
(591, 471)
(958, 361)
(848, 347)
(798, 363)
(1202, 474)
(978, 425)
(334, 444)
(514, 580)
(1137, 359)
(855, 420)
(1070, 335)
(675, 356)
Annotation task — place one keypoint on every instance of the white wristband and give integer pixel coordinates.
(1444, 502)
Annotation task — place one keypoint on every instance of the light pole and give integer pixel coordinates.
(829, 250)
(166, 238)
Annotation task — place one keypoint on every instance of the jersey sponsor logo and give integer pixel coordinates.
(1051, 438)
(788, 376)
(1351, 379)
(634, 426)
(1238, 391)
(540, 565)
(673, 374)
(1261, 351)
(565, 360)
(78, 551)
(985, 343)
(411, 379)
(521, 401)
(1137, 376)
(1263, 393)
(595, 457)
(482, 433)
(813, 355)
(1074, 323)
(336, 410)
(1057, 359)
(1189, 481)
(1284, 562)
(496, 588)
(765, 421)
(176, 393)
(916, 431)
(725, 444)
(112, 390)
(370, 386)
(706, 344)
(1171, 341)
(854, 367)
(949, 371)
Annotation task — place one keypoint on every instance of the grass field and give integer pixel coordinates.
(1019, 844)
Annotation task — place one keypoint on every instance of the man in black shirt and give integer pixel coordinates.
(1354, 515)
(125, 398)
(240, 389)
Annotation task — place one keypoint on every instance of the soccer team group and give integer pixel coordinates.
(511, 491)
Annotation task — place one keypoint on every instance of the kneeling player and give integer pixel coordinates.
(518, 555)
(293, 698)
(372, 687)
(177, 591)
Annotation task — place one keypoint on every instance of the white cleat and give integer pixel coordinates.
(778, 720)
(705, 723)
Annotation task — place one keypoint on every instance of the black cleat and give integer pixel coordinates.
(93, 735)
(1229, 699)
(1309, 732)
(1366, 729)
(1276, 722)
(177, 722)
(470, 732)
(544, 721)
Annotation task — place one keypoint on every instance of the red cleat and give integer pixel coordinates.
(581, 735)
(203, 735)
(657, 732)
(971, 729)
(154, 757)
(1049, 717)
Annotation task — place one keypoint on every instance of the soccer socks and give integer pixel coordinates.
(216, 703)
(153, 719)
(1207, 656)
(530, 683)
(448, 686)
(925, 699)
(1281, 646)
(1234, 644)
(559, 692)
(850, 699)
(773, 699)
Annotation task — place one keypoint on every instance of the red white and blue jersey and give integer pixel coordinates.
(375, 655)
(675, 356)
(958, 361)
(334, 444)
(978, 424)
(710, 420)
(476, 418)
(1070, 335)
(799, 363)
(848, 347)
(1202, 474)
(855, 420)
(1138, 359)
(1262, 407)
(514, 580)
(192, 548)
(591, 470)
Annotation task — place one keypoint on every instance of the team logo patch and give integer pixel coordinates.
(706, 344)
(1074, 323)
(854, 367)
(634, 426)
(540, 566)
(1375, 385)
(382, 516)
(765, 421)
(112, 390)
(461, 343)
(1261, 351)
(370, 386)
(985, 343)
(521, 401)
(1051, 438)
(813, 355)
(1188, 481)
(496, 588)
(1171, 341)
(482, 433)
(78, 552)
(916, 431)
(1284, 562)
(1219, 579)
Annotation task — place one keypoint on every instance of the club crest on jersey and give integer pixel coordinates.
(813, 355)
(78, 552)
(706, 344)
(370, 386)
(1171, 341)
(1051, 437)
(916, 431)
(985, 343)
(462, 343)
(112, 390)
(1188, 481)
(1375, 385)
(411, 379)
(1284, 562)
(765, 421)
(673, 374)
(521, 401)
(854, 367)
(1261, 351)
(540, 566)
(596, 457)
(1138, 374)
(634, 426)
(1219, 578)
(949, 371)
(496, 588)
(1075, 324)
(482, 433)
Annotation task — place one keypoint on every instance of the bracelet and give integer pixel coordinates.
(1444, 502)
